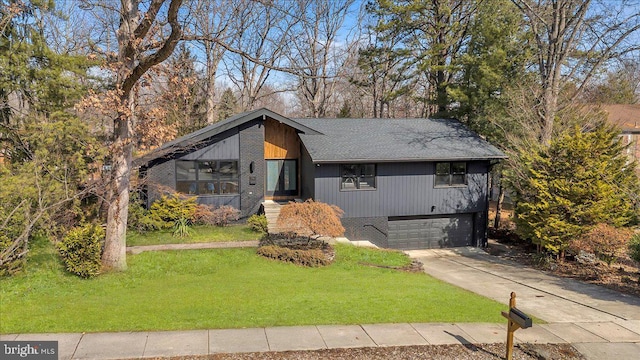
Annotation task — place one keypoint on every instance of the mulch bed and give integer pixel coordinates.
(445, 352)
(622, 276)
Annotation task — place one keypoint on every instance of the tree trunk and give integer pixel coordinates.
(114, 255)
(212, 68)
(496, 221)
(550, 104)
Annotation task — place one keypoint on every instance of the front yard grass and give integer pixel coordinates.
(230, 288)
(199, 234)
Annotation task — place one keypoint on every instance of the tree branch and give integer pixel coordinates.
(162, 54)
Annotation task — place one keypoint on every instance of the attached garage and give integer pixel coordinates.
(431, 232)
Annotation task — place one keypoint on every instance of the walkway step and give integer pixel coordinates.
(272, 212)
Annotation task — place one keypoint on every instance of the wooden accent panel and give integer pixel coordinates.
(280, 141)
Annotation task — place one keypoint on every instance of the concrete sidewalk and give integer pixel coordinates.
(592, 339)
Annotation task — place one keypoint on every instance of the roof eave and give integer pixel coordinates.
(352, 161)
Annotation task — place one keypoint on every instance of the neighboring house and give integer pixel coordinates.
(627, 118)
(402, 183)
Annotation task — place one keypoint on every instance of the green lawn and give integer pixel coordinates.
(199, 234)
(230, 288)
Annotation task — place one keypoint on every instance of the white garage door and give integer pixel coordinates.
(431, 233)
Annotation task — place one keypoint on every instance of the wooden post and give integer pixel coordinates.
(511, 328)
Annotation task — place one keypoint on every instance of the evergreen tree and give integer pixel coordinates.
(433, 34)
(228, 105)
(581, 179)
(495, 59)
(35, 82)
(45, 152)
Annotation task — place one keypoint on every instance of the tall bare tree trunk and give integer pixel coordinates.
(212, 68)
(496, 221)
(114, 256)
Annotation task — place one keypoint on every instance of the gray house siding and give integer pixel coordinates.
(307, 175)
(228, 148)
(403, 189)
(251, 150)
(224, 146)
(373, 229)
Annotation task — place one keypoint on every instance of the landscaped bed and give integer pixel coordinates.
(230, 288)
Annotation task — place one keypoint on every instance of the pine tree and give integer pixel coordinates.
(581, 179)
(228, 105)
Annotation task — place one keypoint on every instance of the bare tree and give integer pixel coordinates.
(144, 39)
(574, 39)
(211, 25)
(263, 38)
(316, 51)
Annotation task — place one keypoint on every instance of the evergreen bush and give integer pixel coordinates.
(139, 218)
(258, 223)
(580, 179)
(634, 248)
(170, 209)
(81, 250)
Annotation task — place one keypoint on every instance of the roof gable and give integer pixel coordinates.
(199, 136)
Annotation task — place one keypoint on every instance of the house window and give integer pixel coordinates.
(358, 177)
(215, 177)
(451, 174)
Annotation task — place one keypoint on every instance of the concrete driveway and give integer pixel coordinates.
(550, 298)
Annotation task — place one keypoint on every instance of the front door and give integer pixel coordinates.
(282, 177)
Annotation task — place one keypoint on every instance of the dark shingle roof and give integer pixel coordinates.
(357, 140)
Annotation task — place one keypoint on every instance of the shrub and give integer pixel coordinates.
(225, 214)
(634, 248)
(203, 215)
(181, 228)
(139, 218)
(258, 223)
(312, 217)
(311, 258)
(169, 209)
(81, 249)
(605, 241)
